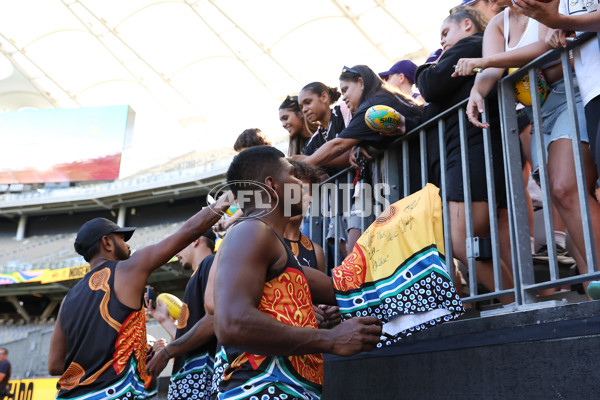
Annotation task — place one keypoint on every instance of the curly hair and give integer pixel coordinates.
(250, 137)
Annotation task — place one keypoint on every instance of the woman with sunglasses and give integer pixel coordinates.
(293, 121)
(462, 36)
(362, 88)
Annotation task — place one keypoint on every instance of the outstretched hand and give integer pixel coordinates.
(356, 335)
(546, 13)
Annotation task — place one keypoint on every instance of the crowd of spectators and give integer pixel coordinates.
(480, 40)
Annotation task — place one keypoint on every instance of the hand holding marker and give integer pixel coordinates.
(476, 69)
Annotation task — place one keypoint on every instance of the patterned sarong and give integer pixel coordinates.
(397, 270)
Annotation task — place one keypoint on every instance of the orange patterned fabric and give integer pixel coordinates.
(71, 377)
(306, 242)
(132, 339)
(351, 274)
(287, 298)
(99, 281)
(295, 249)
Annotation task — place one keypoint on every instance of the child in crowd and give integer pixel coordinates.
(462, 36)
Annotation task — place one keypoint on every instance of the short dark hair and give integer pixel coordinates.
(5, 350)
(90, 252)
(250, 137)
(209, 243)
(253, 164)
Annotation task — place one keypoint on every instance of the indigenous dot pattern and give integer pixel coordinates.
(430, 293)
(197, 386)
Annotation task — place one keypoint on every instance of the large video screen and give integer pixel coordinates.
(63, 145)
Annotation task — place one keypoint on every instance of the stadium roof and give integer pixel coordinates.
(198, 72)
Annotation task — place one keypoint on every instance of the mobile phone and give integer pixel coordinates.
(151, 295)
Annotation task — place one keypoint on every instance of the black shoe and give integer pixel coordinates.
(563, 256)
(542, 254)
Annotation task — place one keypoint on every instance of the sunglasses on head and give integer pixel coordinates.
(351, 70)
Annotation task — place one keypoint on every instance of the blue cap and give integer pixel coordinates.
(434, 56)
(468, 2)
(406, 67)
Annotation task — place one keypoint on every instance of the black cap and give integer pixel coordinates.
(210, 234)
(94, 230)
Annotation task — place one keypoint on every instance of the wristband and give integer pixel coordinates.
(167, 351)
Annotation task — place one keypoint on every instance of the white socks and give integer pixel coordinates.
(560, 238)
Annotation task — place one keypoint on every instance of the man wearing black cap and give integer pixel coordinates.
(99, 339)
(195, 344)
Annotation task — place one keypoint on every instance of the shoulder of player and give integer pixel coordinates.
(251, 233)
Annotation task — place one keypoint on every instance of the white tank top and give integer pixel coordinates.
(531, 34)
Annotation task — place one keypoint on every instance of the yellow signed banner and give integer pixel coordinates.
(397, 269)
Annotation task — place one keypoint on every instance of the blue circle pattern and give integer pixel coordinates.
(430, 293)
(197, 386)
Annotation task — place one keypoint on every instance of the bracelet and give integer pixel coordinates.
(167, 351)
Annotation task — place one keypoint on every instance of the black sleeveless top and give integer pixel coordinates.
(194, 297)
(106, 341)
(286, 297)
(303, 250)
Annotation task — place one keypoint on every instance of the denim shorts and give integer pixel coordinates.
(341, 222)
(355, 221)
(555, 118)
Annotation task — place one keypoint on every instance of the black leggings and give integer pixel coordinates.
(592, 120)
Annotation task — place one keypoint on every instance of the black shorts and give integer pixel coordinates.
(477, 172)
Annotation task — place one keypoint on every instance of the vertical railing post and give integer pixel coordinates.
(390, 165)
(584, 205)
(466, 179)
(521, 248)
(423, 151)
(444, 193)
(492, 205)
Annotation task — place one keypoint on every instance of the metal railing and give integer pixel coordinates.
(525, 280)
(397, 177)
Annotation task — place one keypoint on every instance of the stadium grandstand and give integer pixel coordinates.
(185, 105)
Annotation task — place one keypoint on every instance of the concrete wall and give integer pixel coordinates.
(540, 354)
